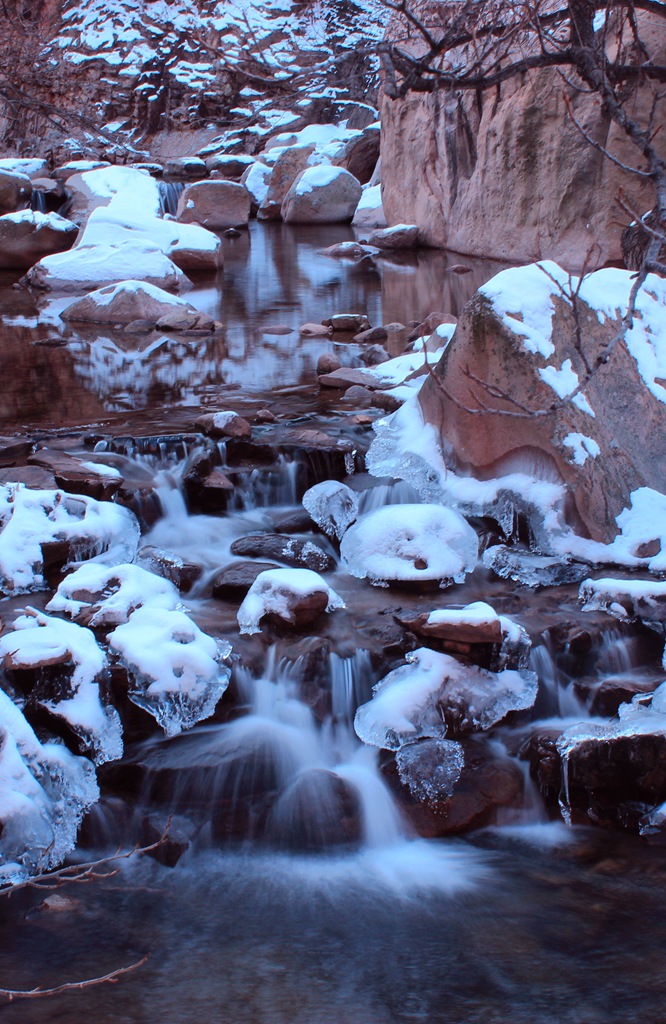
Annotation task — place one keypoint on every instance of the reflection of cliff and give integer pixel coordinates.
(137, 373)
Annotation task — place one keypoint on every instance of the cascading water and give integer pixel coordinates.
(170, 193)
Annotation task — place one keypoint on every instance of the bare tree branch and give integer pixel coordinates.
(112, 977)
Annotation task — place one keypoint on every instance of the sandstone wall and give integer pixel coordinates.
(506, 174)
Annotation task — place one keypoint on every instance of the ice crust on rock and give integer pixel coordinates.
(625, 599)
(44, 793)
(410, 543)
(104, 597)
(433, 695)
(333, 506)
(430, 769)
(407, 448)
(176, 670)
(29, 518)
(530, 569)
(278, 591)
(41, 640)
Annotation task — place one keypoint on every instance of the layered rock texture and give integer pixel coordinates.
(506, 173)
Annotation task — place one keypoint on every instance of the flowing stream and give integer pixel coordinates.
(306, 896)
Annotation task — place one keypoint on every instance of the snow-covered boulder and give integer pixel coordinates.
(370, 212)
(177, 672)
(124, 237)
(34, 521)
(89, 266)
(44, 793)
(104, 597)
(295, 597)
(15, 189)
(32, 166)
(433, 695)
(547, 437)
(322, 195)
(215, 205)
(255, 179)
(124, 302)
(40, 645)
(332, 505)
(288, 164)
(410, 543)
(399, 236)
(27, 236)
(494, 641)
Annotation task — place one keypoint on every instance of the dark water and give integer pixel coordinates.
(571, 937)
(566, 929)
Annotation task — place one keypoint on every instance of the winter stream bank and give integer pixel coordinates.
(333, 856)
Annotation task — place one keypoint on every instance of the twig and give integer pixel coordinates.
(71, 986)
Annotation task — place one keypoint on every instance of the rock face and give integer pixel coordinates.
(447, 159)
(518, 334)
(322, 195)
(214, 204)
(26, 236)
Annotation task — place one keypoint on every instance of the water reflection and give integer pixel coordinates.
(274, 275)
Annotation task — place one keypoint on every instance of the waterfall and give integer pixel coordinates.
(170, 193)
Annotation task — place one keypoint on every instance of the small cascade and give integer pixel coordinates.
(38, 201)
(267, 487)
(170, 193)
(395, 492)
(556, 690)
(275, 776)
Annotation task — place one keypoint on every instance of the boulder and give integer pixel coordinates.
(72, 167)
(370, 211)
(321, 195)
(359, 155)
(233, 582)
(400, 236)
(214, 204)
(286, 169)
(186, 167)
(223, 424)
(347, 322)
(256, 178)
(15, 189)
(289, 597)
(124, 302)
(26, 236)
(301, 554)
(92, 266)
(229, 165)
(520, 335)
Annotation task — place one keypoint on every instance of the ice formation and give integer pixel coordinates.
(176, 671)
(641, 599)
(44, 793)
(410, 543)
(433, 695)
(279, 592)
(332, 505)
(31, 518)
(430, 768)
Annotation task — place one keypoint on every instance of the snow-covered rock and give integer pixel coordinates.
(399, 236)
(41, 643)
(433, 695)
(84, 527)
(255, 179)
(332, 505)
(370, 212)
(581, 464)
(410, 543)
(295, 597)
(32, 166)
(104, 597)
(321, 195)
(44, 793)
(124, 237)
(124, 302)
(27, 236)
(177, 672)
(15, 189)
(478, 627)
